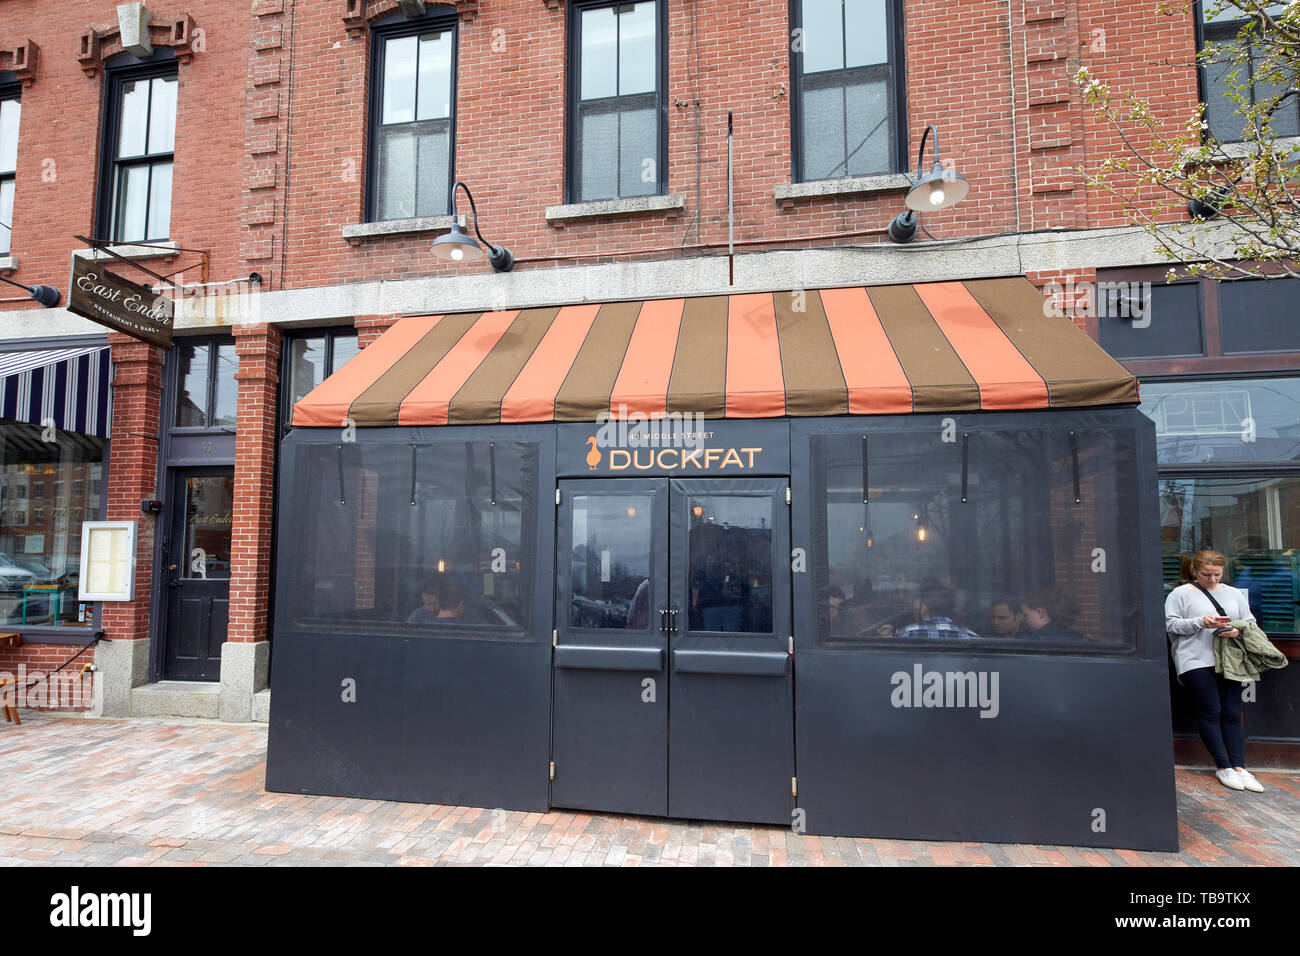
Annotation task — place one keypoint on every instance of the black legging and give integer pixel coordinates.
(1218, 716)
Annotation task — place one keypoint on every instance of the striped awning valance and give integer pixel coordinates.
(67, 386)
(934, 347)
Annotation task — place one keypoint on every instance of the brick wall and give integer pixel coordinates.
(255, 438)
(66, 691)
(268, 191)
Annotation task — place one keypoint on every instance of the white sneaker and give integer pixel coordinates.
(1249, 782)
(1231, 779)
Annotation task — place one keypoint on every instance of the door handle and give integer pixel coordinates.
(672, 620)
(663, 620)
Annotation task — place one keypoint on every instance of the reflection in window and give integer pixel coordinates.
(730, 545)
(192, 388)
(1015, 561)
(846, 88)
(1238, 420)
(209, 515)
(313, 358)
(1255, 78)
(1255, 523)
(618, 150)
(461, 555)
(412, 142)
(10, 110)
(46, 490)
(142, 160)
(611, 561)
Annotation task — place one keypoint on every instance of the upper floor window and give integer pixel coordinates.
(617, 112)
(414, 105)
(139, 139)
(10, 109)
(1239, 70)
(848, 88)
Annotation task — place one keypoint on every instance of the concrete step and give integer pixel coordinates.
(174, 698)
(262, 706)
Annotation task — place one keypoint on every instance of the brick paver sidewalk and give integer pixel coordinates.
(95, 792)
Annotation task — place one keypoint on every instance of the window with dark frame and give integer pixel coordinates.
(413, 103)
(10, 112)
(138, 149)
(1220, 28)
(206, 391)
(617, 106)
(848, 94)
(309, 358)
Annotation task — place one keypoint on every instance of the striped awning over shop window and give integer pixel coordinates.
(66, 386)
(935, 347)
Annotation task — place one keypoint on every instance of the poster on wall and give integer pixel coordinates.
(107, 561)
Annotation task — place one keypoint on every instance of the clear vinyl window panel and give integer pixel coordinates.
(1254, 523)
(611, 561)
(1014, 564)
(438, 540)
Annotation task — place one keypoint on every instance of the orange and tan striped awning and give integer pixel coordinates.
(934, 347)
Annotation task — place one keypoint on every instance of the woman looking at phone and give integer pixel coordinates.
(1192, 620)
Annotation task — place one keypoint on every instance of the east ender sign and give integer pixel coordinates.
(99, 295)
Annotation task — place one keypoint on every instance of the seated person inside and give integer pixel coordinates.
(1006, 620)
(427, 612)
(1048, 614)
(933, 609)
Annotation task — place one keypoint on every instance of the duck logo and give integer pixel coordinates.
(593, 456)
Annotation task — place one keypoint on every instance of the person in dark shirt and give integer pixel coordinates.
(1006, 618)
(427, 612)
(1048, 613)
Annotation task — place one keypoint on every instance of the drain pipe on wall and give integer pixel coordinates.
(731, 219)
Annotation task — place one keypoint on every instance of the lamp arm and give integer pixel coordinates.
(921, 152)
(17, 285)
(473, 209)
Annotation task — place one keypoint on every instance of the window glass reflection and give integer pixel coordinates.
(192, 391)
(730, 564)
(611, 562)
(1255, 523)
(227, 396)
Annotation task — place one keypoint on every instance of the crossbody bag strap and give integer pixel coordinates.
(1217, 606)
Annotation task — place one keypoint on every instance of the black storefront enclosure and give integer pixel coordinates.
(942, 624)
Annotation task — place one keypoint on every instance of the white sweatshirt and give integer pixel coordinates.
(1184, 609)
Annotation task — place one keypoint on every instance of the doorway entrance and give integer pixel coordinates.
(673, 686)
(196, 571)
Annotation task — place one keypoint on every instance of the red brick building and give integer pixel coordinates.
(307, 152)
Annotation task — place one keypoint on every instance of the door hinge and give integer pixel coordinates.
(552, 770)
(555, 637)
(791, 645)
(794, 786)
(787, 495)
(557, 496)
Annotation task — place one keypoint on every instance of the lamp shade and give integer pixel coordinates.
(455, 246)
(939, 190)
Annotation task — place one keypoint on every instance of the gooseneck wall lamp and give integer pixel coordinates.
(46, 295)
(455, 246)
(933, 191)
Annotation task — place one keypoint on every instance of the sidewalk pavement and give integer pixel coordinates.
(87, 792)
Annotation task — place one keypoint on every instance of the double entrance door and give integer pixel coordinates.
(673, 685)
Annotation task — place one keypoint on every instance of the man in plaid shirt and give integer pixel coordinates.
(933, 608)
